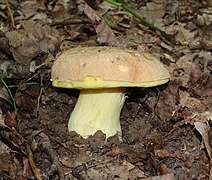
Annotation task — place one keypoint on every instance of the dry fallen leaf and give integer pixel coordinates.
(168, 100)
(8, 164)
(200, 82)
(154, 11)
(94, 174)
(203, 129)
(27, 172)
(121, 170)
(190, 102)
(205, 19)
(184, 62)
(181, 34)
(169, 176)
(206, 44)
(10, 119)
(91, 14)
(105, 35)
(2, 119)
(35, 38)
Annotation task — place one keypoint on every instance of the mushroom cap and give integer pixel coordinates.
(107, 67)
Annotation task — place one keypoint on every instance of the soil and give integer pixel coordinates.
(166, 129)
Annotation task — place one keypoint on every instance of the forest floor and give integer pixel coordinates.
(166, 130)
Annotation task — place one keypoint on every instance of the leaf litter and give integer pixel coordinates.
(166, 130)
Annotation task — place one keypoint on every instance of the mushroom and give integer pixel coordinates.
(102, 75)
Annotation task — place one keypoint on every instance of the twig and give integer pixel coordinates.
(140, 18)
(71, 21)
(10, 13)
(31, 162)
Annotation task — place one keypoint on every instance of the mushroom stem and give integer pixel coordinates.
(98, 109)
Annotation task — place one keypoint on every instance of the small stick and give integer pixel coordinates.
(10, 13)
(32, 164)
(71, 21)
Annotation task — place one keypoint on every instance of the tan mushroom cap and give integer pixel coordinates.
(107, 67)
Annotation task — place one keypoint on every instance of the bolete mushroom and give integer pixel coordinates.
(102, 74)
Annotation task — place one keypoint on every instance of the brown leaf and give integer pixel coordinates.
(91, 14)
(23, 100)
(105, 35)
(10, 120)
(22, 47)
(181, 34)
(34, 39)
(200, 78)
(25, 105)
(27, 172)
(168, 100)
(8, 164)
(121, 169)
(68, 162)
(136, 173)
(162, 153)
(161, 177)
(134, 156)
(207, 45)
(203, 129)
(190, 102)
(4, 45)
(154, 11)
(33, 90)
(2, 118)
(184, 63)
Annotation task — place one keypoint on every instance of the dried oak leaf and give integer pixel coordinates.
(168, 101)
(91, 14)
(181, 34)
(105, 34)
(200, 82)
(8, 166)
(206, 44)
(123, 170)
(25, 104)
(168, 176)
(154, 11)
(22, 47)
(35, 38)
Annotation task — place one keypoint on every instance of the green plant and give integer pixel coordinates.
(2, 76)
